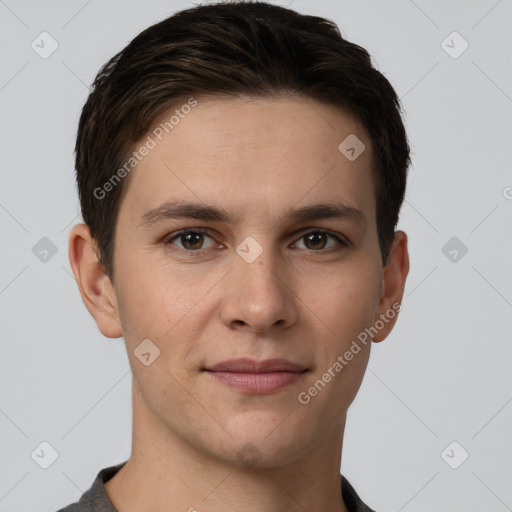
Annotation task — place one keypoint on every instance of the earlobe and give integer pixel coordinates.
(394, 278)
(95, 287)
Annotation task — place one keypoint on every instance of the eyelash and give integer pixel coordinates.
(169, 239)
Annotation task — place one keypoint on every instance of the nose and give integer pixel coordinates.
(259, 296)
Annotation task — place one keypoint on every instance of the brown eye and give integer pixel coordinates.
(315, 240)
(318, 240)
(190, 240)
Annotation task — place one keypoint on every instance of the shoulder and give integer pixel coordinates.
(74, 507)
(352, 500)
(96, 499)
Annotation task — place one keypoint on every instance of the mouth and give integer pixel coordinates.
(256, 377)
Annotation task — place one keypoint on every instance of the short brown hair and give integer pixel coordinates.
(232, 49)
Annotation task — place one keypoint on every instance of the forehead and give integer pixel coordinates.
(254, 153)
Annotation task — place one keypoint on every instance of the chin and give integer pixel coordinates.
(266, 443)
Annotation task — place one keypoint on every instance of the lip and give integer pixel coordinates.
(245, 365)
(257, 377)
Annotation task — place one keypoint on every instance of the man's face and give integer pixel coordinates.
(210, 296)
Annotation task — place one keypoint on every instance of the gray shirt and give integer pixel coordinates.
(96, 498)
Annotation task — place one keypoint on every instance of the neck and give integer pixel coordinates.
(165, 473)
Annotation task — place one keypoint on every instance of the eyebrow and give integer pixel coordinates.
(186, 210)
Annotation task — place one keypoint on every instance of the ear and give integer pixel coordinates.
(393, 284)
(95, 287)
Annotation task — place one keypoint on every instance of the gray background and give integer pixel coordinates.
(443, 375)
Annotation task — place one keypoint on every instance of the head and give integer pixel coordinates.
(281, 149)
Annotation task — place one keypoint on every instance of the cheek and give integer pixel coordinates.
(345, 300)
(159, 389)
(150, 300)
(164, 305)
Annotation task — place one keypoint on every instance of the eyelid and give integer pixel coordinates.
(172, 236)
(341, 239)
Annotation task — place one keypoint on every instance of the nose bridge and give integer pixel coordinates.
(258, 295)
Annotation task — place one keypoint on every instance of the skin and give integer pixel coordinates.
(201, 303)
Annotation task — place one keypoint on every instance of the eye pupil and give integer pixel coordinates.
(315, 238)
(193, 240)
